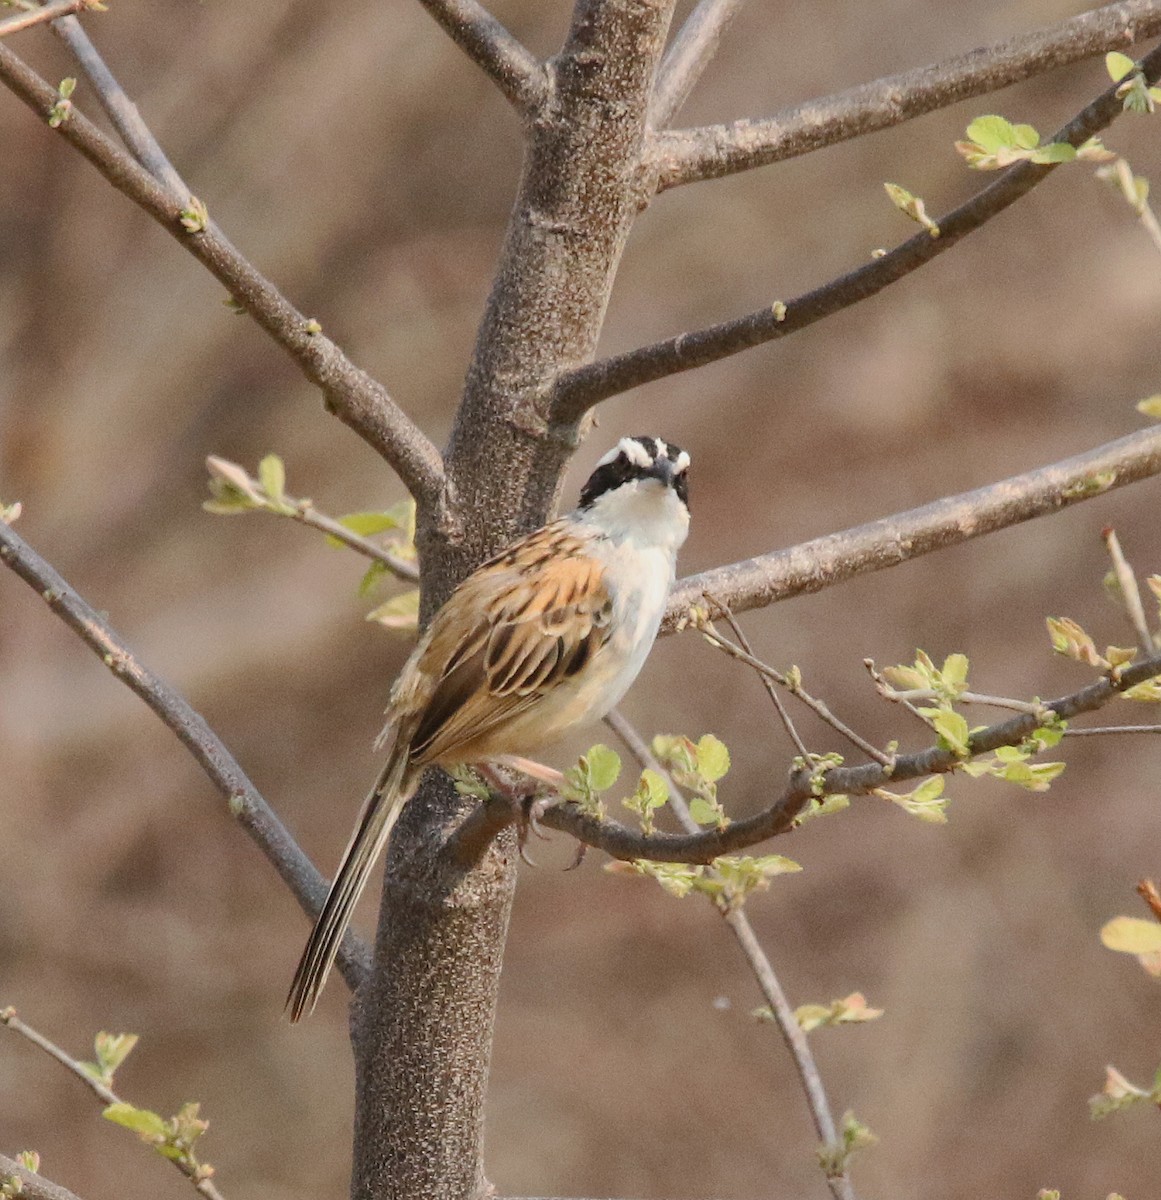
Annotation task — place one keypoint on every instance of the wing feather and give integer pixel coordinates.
(542, 610)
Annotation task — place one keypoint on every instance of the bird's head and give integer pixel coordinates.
(641, 487)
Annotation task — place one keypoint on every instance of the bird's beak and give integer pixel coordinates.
(662, 470)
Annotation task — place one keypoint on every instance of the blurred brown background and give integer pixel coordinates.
(367, 167)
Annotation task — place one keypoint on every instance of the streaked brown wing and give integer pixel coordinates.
(542, 610)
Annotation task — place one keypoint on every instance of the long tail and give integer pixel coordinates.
(380, 811)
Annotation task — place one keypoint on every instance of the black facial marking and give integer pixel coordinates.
(623, 469)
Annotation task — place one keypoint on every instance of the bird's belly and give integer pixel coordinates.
(639, 607)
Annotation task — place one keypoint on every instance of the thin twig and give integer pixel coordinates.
(815, 705)
(33, 1185)
(739, 924)
(925, 695)
(105, 1094)
(688, 56)
(50, 12)
(777, 818)
(888, 692)
(821, 563)
(767, 682)
(1147, 890)
(305, 513)
(1111, 729)
(515, 70)
(354, 396)
(136, 135)
(244, 800)
(1131, 593)
(197, 1173)
(576, 391)
(688, 155)
(795, 1039)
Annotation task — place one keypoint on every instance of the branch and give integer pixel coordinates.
(689, 155)
(513, 68)
(688, 56)
(128, 122)
(197, 1173)
(244, 800)
(770, 676)
(620, 842)
(33, 1185)
(38, 16)
(578, 390)
(735, 917)
(351, 394)
(795, 1039)
(823, 562)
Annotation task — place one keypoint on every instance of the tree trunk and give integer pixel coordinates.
(422, 1027)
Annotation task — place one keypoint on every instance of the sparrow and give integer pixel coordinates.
(548, 634)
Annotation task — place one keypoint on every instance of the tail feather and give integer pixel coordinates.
(380, 812)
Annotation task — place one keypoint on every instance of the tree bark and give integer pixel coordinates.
(422, 1027)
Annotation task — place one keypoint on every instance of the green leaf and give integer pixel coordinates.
(1118, 65)
(713, 759)
(400, 613)
(1132, 935)
(823, 807)
(851, 1010)
(604, 766)
(675, 751)
(112, 1049)
(654, 788)
(678, 879)
(907, 679)
(1148, 692)
(703, 811)
(1054, 152)
(992, 133)
(1025, 137)
(927, 801)
(952, 728)
(955, 672)
(652, 793)
(150, 1126)
(365, 524)
(272, 476)
(371, 577)
(1150, 406)
(1069, 639)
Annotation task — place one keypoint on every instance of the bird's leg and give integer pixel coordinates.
(518, 794)
(537, 806)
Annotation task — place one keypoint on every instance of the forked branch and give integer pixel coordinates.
(514, 69)
(244, 800)
(689, 155)
(777, 818)
(759, 962)
(811, 566)
(128, 122)
(354, 396)
(578, 390)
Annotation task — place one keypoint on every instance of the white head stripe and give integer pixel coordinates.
(662, 448)
(632, 450)
(681, 462)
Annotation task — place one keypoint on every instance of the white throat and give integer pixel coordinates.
(644, 513)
